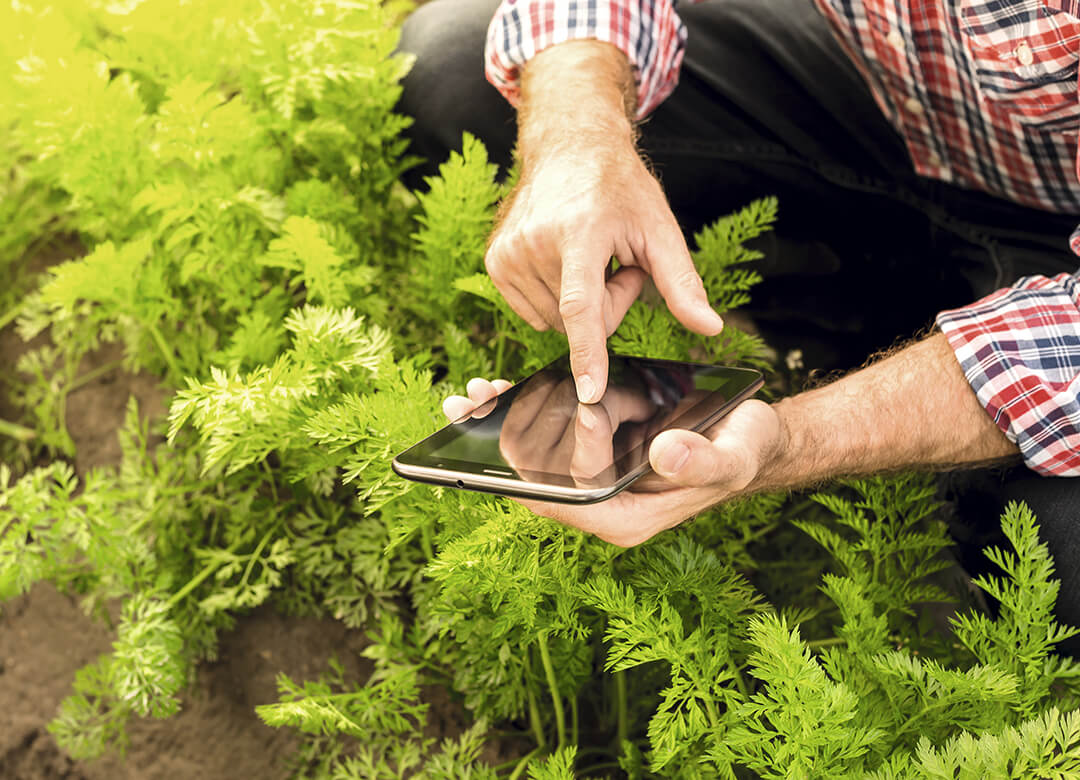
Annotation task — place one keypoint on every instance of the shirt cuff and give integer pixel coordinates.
(1020, 350)
(648, 32)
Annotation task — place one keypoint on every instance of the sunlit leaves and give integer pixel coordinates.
(241, 418)
(328, 277)
(458, 211)
(388, 707)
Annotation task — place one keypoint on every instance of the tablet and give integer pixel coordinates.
(535, 440)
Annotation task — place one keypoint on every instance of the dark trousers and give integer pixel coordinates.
(865, 252)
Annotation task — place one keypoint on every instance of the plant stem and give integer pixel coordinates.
(425, 542)
(765, 530)
(622, 725)
(573, 720)
(534, 720)
(75, 384)
(10, 315)
(197, 580)
(524, 762)
(193, 583)
(598, 767)
(830, 642)
(255, 555)
(270, 478)
(714, 717)
(90, 376)
(928, 708)
(170, 359)
(138, 525)
(553, 685)
(500, 768)
(737, 676)
(16, 431)
(581, 753)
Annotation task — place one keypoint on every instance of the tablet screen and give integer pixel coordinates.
(537, 431)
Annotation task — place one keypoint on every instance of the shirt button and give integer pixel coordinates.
(895, 39)
(913, 106)
(1023, 53)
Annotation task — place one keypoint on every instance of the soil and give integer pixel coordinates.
(45, 638)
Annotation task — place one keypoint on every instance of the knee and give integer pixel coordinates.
(446, 92)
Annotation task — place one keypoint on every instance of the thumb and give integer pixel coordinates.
(732, 458)
(689, 459)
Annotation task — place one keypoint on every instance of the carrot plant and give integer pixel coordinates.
(232, 174)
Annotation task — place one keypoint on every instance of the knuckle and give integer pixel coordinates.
(574, 304)
(533, 237)
(688, 280)
(523, 243)
(581, 354)
(498, 277)
(495, 262)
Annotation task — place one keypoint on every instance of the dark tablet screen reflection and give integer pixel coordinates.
(538, 432)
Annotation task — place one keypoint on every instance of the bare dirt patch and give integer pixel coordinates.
(45, 638)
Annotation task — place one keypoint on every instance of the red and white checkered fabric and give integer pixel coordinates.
(1020, 350)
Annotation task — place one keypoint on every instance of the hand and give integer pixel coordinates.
(695, 471)
(583, 197)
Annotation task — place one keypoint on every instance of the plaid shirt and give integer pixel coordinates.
(984, 93)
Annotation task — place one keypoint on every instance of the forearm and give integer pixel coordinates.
(913, 409)
(575, 95)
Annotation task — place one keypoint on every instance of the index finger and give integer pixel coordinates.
(581, 306)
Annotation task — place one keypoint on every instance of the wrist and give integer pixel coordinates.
(576, 95)
(780, 464)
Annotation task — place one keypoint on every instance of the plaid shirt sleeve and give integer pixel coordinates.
(1020, 350)
(648, 32)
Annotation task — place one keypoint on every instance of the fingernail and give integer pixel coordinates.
(674, 459)
(588, 417)
(586, 389)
